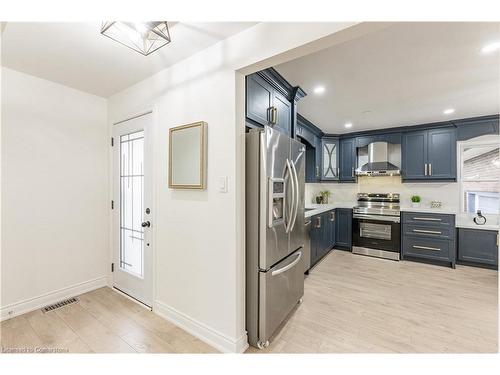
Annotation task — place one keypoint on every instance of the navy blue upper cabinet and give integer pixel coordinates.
(310, 135)
(442, 154)
(267, 102)
(429, 155)
(414, 155)
(330, 159)
(282, 117)
(347, 151)
(259, 99)
(365, 140)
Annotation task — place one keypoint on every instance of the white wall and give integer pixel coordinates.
(55, 192)
(199, 246)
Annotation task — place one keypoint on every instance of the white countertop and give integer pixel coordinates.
(315, 209)
(461, 220)
(427, 209)
(465, 221)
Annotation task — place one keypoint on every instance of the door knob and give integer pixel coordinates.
(146, 224)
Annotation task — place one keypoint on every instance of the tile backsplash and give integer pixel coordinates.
(446, 192)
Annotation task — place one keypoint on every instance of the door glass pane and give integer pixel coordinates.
(132, 202)
(377, 231)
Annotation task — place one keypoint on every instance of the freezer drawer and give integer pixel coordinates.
(281, 288)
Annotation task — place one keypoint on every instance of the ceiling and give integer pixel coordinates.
(405, 74)
(76, 55)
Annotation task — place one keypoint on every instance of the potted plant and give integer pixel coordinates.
(415, 201)
(325, 194)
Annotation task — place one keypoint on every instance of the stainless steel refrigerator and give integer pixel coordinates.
(275, 234)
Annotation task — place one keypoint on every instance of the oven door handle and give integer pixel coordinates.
(393, 219)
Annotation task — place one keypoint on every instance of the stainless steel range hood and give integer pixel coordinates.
(378, 162)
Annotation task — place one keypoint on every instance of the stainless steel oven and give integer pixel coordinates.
(376, 228)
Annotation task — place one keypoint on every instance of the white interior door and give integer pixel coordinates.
(132, 253)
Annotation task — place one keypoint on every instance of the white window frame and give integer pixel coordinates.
(482, 141)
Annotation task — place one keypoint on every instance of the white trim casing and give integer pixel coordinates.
(206, 334)
(31, 304)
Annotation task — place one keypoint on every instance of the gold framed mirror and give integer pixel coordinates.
(187, 156)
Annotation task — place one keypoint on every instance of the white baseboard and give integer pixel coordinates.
(22, 307)
(206, 334)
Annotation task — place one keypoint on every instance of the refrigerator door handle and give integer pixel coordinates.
(296, 203)
(302, 150)
(289, 215)
(288, 266)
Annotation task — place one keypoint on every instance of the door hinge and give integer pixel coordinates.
(112, 204)
(112, 267)
(112, 141)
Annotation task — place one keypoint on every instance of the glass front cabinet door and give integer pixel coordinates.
(330, 159)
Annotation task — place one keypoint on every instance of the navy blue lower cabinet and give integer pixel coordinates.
(322, 235)
(331, 224)
(343, 228)
(316, 238)
(478, 247)
(429, 237)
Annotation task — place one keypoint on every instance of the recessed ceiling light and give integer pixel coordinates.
(348, 125)
(319, 90)
(448, 111)
(492, 47)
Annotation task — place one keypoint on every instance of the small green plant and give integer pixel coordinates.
(325, 194)
(415, 198)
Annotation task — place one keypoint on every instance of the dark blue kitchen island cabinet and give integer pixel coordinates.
(322, 235)
(347, 159)
(429, 155)
(478, 247)
(343, 228)
(428, 237)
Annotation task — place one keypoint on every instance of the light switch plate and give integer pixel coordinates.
(223, 184)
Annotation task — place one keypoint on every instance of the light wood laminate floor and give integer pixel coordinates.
(103, 321)
(351, 303)
(354, 303)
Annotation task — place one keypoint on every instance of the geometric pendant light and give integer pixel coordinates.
(143, 37)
